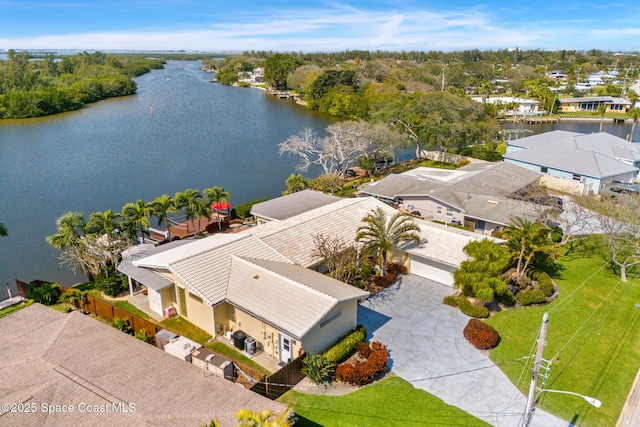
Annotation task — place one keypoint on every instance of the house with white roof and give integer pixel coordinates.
(575, 162)
(264, 281)
(512, 106)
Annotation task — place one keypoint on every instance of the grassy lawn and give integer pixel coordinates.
(183, 327)
(391, 402)
(13, 308)
(592, 338)
(127, 306)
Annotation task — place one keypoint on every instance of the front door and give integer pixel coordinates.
(285, 348)
(157, 302)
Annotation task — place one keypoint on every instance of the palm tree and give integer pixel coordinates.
(137, 215)
(525, 239)
(266, 418)
(634, 113)
(602, 109)
(3, 230)
(216, 195)
(103, 222)
(380, 235)
(71, 228)
(161, 207)
(192, 203)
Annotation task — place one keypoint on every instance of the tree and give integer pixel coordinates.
(329, 183)
(602, 110)
(216, 195)
(136, 215)
(3, 230)
(161, 207)
(277, 67)
(379, 234)
(70, 229)
(342, 258)
(266, 418)
(296, 182)
(193, 205)
(526, 239)
(480, 276)
(634, 113)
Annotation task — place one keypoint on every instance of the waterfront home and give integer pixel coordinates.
(575, 162)
(512, 106)
(591, 103)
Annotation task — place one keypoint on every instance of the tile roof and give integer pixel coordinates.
(598, 155)
(293, 204)
(66, 359)
(287, 295)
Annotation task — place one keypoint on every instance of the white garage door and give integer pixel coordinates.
(431, 270)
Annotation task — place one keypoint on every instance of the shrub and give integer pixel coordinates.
(531, 297)
(142, 335)
(365, 372)
(317, 368)
(450, 300)
(363, 350)
(385, 280)
(362, 329)
(397, 268)
(462, 162)
(112, 285)
(472, 310)
(121, 325)
(545, 284)
(45, 293)
(506, 298)
(345, 346)
(481, 335)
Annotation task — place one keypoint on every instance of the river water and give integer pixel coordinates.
(177, 132)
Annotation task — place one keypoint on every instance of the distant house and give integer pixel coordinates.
(512, 106)
(293, 204)
(575, 162)
(479, 196)
(591, 103)
(55, 360)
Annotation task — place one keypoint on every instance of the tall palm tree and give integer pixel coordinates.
(216, 195)
(634, 113)
(193, 205)
(296, 182)
(380, 235)
(161, 207)
(525, 239)
(136, 215)
(70, 228)
(3, 230)
(103, 223)
(602, 109)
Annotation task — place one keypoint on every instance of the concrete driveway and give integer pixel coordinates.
(427, 348)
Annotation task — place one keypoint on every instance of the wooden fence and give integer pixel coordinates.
(282, 381)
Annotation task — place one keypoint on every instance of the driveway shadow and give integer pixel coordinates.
(371, 319)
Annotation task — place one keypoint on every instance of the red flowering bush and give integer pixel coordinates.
(481, 335)
(365, 372)
(363, 350)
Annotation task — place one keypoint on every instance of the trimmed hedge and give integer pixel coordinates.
(531, 297)
(450, 300)
(481, 335)
(345, 345)
(545, 284)
(472, 310)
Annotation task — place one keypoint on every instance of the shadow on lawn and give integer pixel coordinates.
(304, 422)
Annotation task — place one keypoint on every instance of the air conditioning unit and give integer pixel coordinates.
(250, 345)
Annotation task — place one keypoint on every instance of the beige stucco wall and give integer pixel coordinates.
(428, 208)
(200, 314)
(167, 295)
(560, 184)
(320, 338)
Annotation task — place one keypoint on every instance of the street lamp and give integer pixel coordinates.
(590, 400)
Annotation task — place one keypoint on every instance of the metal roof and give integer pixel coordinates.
(293, 204)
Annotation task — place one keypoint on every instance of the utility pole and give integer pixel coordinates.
(442, 79)
(528, 412)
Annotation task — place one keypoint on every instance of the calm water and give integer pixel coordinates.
(195, 135)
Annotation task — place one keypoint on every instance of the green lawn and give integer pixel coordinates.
(391, 402)
(13, 308)
(603, 357)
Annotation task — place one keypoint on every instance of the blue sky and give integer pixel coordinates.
(311, 26)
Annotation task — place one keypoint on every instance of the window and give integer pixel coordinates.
(543, 169)
(449, 212)
(576, 177)
(183, 301)
(439, 210)
(331, 318)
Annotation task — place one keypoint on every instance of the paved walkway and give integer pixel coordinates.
(427, 348)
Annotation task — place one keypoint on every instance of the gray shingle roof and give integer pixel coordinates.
(292, 204)
(287, 295)
(598, 155)
(67, 359)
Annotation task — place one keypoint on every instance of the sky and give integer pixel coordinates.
(318, 26)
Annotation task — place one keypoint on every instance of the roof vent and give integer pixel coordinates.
(256, 277)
